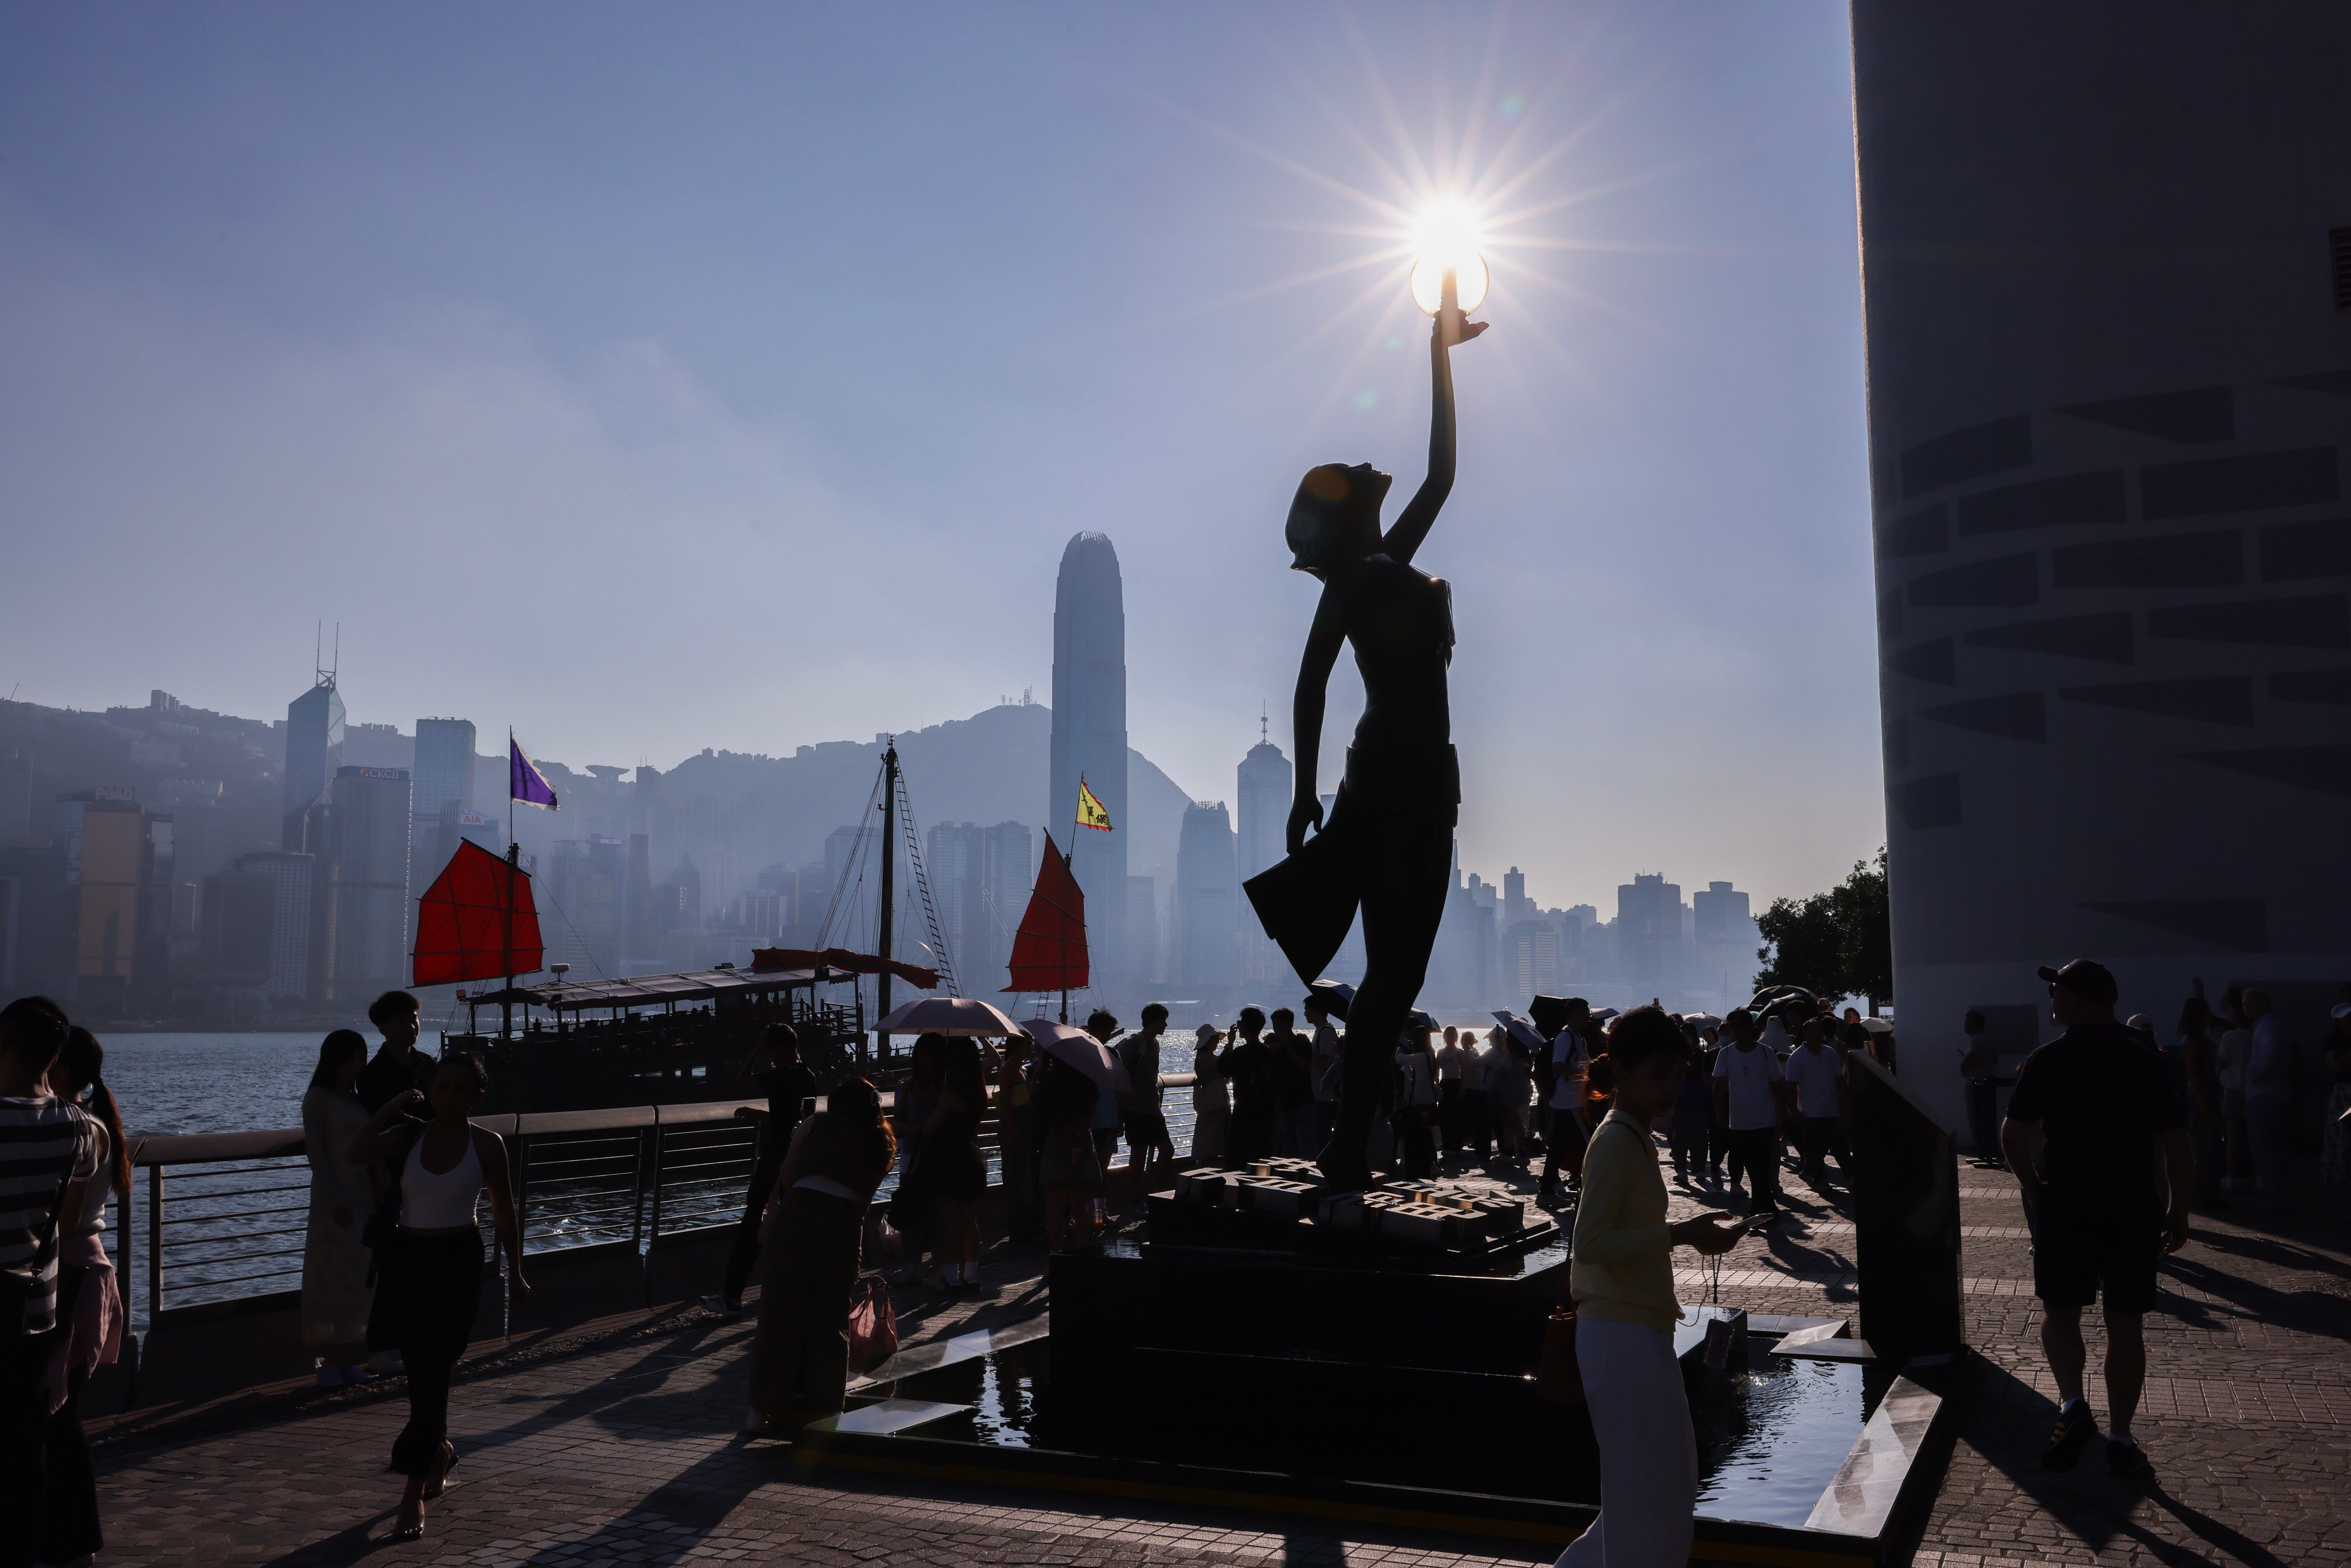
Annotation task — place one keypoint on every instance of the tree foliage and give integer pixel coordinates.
(1839, 943)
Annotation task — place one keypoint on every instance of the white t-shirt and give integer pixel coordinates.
(1416, 1083)
(2235, 1046)
(1816, 1070)
(1450, 1059)
(1568, 1059)
(1485, 1069)
(1750, 1073)
(2271, 1058)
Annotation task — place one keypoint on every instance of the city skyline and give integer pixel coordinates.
(211, 914)
(580, 474)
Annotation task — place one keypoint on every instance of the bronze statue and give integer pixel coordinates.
(1388, 846)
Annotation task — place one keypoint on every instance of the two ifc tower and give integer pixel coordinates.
(1089, 736)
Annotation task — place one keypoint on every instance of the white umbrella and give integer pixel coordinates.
(1701, 1019)
(947, 1015)
(1878, 1026)
(1068, 1042)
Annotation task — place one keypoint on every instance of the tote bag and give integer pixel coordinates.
(872, 1328)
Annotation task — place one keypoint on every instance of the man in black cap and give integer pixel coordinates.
(2107, 1107)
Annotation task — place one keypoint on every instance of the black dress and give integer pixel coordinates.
(952, 1164)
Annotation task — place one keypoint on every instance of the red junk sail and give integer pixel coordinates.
(1050, 951)
(462, 927)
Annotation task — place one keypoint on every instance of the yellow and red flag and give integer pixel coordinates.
(1092, 812)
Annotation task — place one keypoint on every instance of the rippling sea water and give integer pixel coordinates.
(212, 1083)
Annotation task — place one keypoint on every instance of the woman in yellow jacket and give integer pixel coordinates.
(1622, 1281)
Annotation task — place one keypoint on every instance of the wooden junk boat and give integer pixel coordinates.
(647, 1040)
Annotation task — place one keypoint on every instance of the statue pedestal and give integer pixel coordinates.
(1905, 1203)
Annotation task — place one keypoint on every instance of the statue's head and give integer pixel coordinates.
(1335, 516)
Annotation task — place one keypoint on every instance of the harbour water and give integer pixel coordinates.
(241, 1082)
(212, 1083)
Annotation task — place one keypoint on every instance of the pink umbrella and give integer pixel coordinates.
(1067, 1043)
(947, 1015)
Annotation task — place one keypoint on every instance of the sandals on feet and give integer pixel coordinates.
(438, 1484)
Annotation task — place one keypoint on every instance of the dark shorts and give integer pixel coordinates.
(2076, 1259)
(1146, 1129)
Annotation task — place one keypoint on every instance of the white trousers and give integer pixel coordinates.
(1648, 1458)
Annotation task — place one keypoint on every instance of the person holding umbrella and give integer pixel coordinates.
(1079, 1071)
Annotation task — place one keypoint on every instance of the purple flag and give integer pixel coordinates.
(524, 783)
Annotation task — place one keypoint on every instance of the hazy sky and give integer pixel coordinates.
(656, 378)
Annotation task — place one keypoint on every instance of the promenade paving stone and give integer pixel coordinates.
(615, 1443)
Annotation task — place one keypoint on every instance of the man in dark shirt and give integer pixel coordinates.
(2107, 1110)
(398, 1066)
(788, 1085)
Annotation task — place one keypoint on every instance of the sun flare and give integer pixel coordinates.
(1446, 236)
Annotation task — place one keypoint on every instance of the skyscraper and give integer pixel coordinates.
(314, 750)
(291, 873)
(980, 879)
(1649, 933)
(104, 835)
(444, 782)
(1263, 800)
(1208, 929)
(1090, 739)
(367, 874)
(2106, 283)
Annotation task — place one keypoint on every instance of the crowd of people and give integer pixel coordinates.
(2111, 1134)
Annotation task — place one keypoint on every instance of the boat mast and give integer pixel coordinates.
(514, 863)
(889, 887)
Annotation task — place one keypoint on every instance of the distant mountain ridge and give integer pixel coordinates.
(989, 768)
(763, 810)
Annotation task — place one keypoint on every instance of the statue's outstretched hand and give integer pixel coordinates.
(1304, 814)
(1450, 326)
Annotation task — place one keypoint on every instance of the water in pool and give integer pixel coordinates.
(1769, 1443)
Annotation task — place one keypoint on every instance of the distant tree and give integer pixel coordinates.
(1804, 945)
(1835, 944)
(1866, 931)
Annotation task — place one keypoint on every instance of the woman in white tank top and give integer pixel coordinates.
(429, 1272)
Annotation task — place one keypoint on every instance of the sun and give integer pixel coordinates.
(1447, 236)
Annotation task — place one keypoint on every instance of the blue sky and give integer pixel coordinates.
(732, 375)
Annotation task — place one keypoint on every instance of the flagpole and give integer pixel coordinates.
(513, 863)
(889, 867)
(1069, 863)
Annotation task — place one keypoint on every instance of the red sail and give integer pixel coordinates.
(1050, 951)
(772, 958)
(461, 922)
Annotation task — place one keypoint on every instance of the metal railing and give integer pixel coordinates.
(228, 1213)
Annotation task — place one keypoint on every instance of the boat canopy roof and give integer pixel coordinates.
(652, 990)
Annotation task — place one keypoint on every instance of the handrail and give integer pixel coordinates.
(283, 1143)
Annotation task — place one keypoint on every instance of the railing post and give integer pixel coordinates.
(637, 1197)
(155, 1245)
(659, 1140)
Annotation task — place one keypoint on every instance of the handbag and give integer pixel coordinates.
(1558, 1378)
(872, 1328)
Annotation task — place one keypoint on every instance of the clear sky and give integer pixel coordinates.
(661, 377)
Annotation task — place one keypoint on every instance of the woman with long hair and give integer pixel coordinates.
(429, 1271)
(1622, 1277)
(1212, 1102)
(814, 1234)
(910, 1208)
(89, 1307)
(336, 1293)
(954, 1170)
